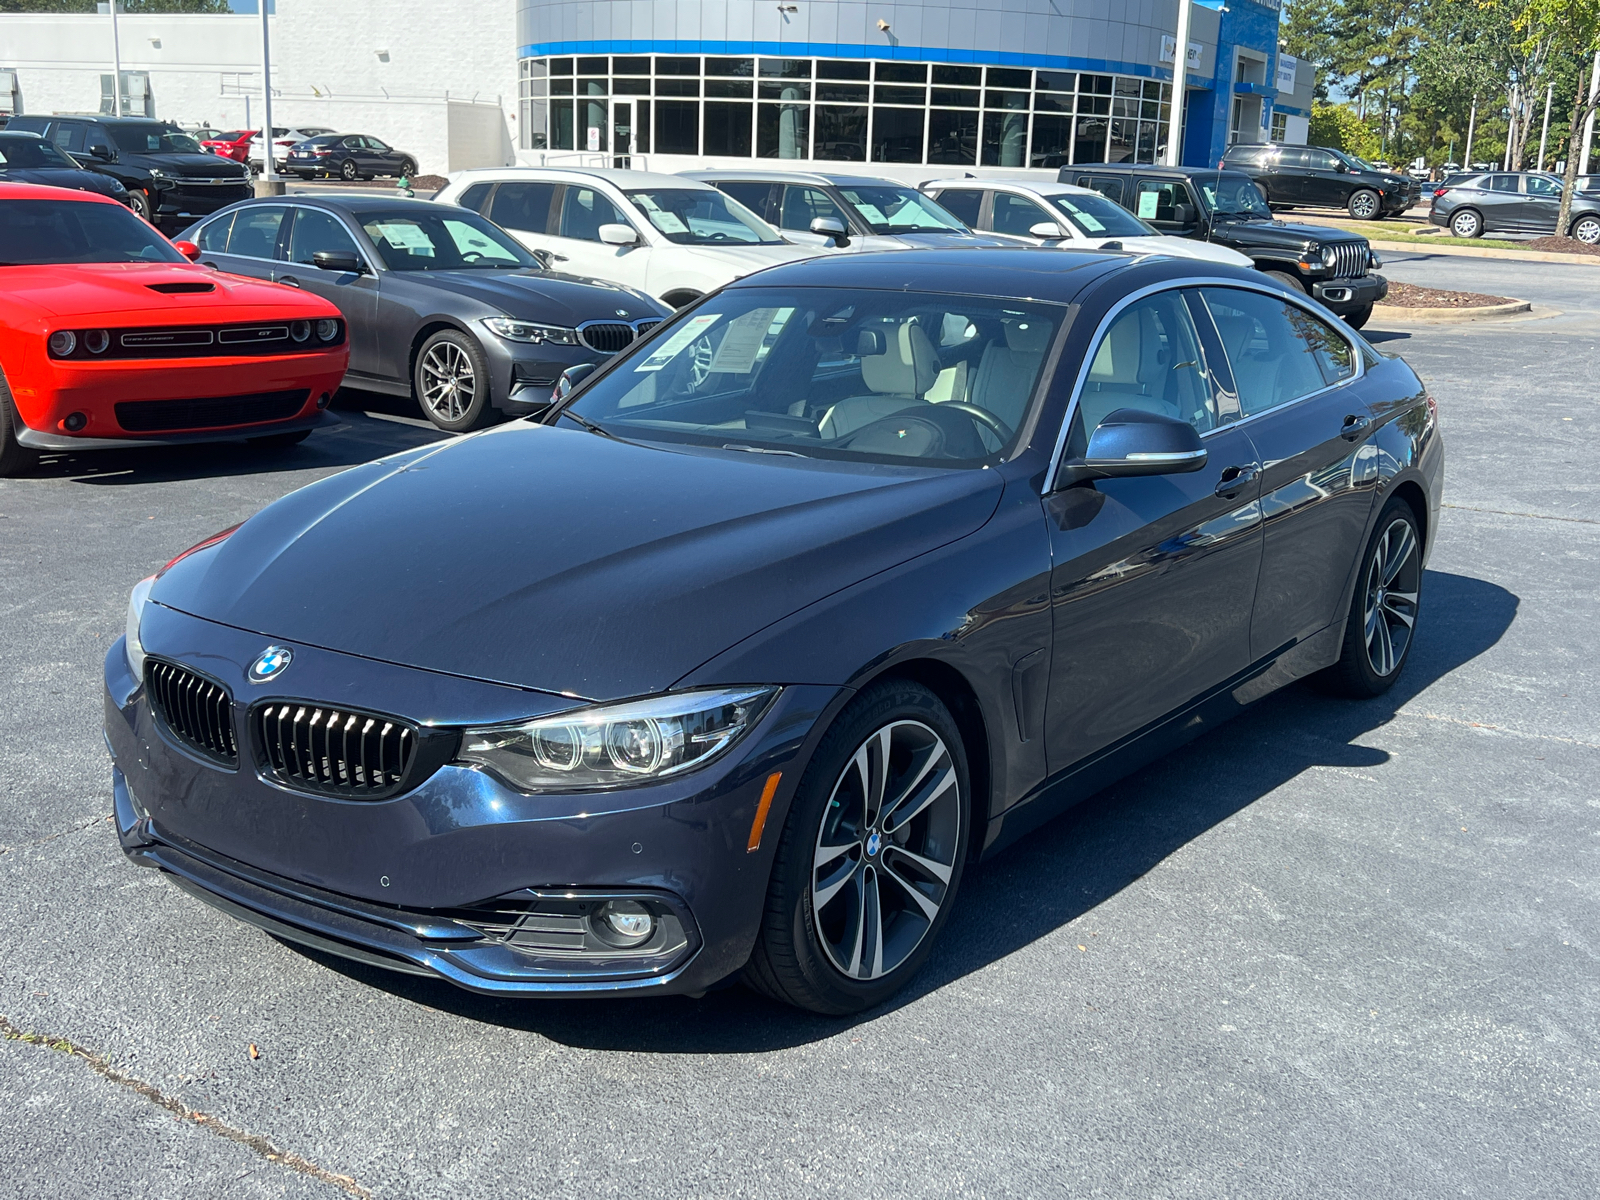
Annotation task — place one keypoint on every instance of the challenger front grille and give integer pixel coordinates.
(154, 416)
(194, 710)
(607, 337)
(341, 752)
(1350, 260)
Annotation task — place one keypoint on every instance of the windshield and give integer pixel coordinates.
(1229, 193)
(900, 210)
(1351, 160)
(412, 241)
(36, 232)
(32, 152)
(833, 373)
(152, 139)
(1096, 217)
(701, 217)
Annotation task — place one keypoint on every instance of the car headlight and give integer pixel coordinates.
(526, 331)
(327, 329)
(135, 648)
(157, 173)
(1329, 256)
(617, 745)
(116, 184)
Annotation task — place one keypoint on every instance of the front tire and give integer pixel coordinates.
(451, 381)
(870, 857)
(1382, 623)
(1290, 281)
(348, 171)
(1358, 318)
(1364, 205)
(15, 458)
(1587, 230)
(1467, 223)
(408, 168)
(139, 201)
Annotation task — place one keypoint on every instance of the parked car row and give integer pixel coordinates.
(1290, 176)
(244, 145)
(1514, 202)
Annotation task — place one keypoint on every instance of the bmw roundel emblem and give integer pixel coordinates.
(622, 312)
(274, 661)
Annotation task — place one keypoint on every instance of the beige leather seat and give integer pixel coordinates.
(1006, 373)
(1127, 371)
(898, 377)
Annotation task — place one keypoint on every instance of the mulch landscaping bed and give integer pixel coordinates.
(1564, 245)
(1409, 295)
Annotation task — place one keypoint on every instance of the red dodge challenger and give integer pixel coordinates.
(110, 337)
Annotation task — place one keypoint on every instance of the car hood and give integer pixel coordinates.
(544, 295)
(1282, 233)
(190, 166)
(64, 177)
(1177, 247)
(556, 559)
(744, 259)
(129, 292)
(928, 241)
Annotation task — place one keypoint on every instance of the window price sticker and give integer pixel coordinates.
(673, 346)
(742, 342)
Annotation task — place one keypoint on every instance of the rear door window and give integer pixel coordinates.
(1108, 186)
(803, 205)
(68, 135)
(756, 195)
(964, 203)
(1502, 183)
(1018, 214)
(1279, 352)
(474, 196)
(523, 206)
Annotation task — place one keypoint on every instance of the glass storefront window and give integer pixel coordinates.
(677, 87)
(1005, 139)
(785, 89)
(593, 66)
(729, 87)
(742, 67)
(849, 92)
(899, 95)
(561, 66)
(953, 138)
(901, 72)
(956, 97)
(677, 66)
(833, 68)
(1008, 77)
(897, 134)
(1089, 141)
(960, 76)
(630, 66)
(1052, 141)
(783, 131)
(840, 133)
(728, 129)
(786, 68)
(677, 126)
(1120, 148)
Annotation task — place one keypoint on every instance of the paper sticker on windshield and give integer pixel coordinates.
(742, 342)
(406, 237)
(1091, 224)
(673, 346)
(872, 214)
(1148, 201)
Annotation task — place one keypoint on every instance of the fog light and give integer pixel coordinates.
(63, 342)
(323, 400)
(299, 330)
(96, 341)
(624, 923)
(327, 330)
(74, 422)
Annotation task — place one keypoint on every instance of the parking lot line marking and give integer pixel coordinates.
(1498, 512)
(1540, 737)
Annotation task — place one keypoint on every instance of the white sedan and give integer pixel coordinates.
(1061, 216)
(670, 237)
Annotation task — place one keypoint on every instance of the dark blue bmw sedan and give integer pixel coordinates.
(735, 659)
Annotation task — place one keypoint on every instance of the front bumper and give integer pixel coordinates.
(1350, 295)
(68, 442)
(185, 201)
(386, 882)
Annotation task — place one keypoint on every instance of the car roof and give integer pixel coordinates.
(349, 202)
(612, 175)
(1004, 272)
(828, 178)
(39, 191)
(21, 133)
(1042, 187)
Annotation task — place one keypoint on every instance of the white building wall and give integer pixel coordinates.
(390, 68)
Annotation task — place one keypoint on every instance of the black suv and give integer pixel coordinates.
(169, 178)
(1333, 265)
(1512, 202)
(1315, 176)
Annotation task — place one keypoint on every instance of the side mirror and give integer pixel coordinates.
(342, 261)
(571, 378)
(1044, 229)
(831, 227)
(1132, 442)
(1183, 214)
(619, 235)
(188, 249)
(545, 258)
(103, 153)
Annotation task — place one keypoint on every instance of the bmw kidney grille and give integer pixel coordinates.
(342, 752)
(195, 711)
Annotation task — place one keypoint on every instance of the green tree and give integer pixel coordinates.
(1338, 126)
(1570, 29)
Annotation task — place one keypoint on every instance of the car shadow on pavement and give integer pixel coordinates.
(1057, 874)
(1375, 336)
(356, 439)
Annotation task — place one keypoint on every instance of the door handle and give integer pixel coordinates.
(289, 279)
(1235, 480)
(1355, 427)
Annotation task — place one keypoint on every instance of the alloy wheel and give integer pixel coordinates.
(1363, 206)
(1465, 224)
(1392, 585)
(1587, 231)
(349, 169)
(886, 850)
(449, 383)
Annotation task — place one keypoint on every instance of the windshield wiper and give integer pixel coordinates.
(588, 424)
(764, 450)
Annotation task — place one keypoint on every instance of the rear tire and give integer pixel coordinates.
(1364, 205)
(15, 458)
(845, 931)
(1359, 317)
(408, 168)
(1381, 626)
(1466, 223)
(348, 171)
(1587, 230)
(1292, 282)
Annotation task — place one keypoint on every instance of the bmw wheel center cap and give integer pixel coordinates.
(274, 661)
(873, 843)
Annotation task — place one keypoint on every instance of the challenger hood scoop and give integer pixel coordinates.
(181, 289)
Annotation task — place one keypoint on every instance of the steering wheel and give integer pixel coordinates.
(471, 256)
(981, 416)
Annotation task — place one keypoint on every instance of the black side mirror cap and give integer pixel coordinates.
(831, 227)
(1184, 214)
(339, 260)
(1130, 442)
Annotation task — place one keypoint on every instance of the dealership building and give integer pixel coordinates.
(949, 84)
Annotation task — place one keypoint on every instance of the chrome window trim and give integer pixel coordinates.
(1174, 285)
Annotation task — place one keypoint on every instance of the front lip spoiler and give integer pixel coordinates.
(411, 943)
(39, 440)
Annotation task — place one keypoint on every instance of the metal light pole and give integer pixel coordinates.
(1588, 126)
(1549, 91)
(1472, 124)
(116, 63)
(269, 184)
(1180, 67)
(1511, 127)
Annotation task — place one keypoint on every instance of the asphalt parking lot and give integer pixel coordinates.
(1338, 950)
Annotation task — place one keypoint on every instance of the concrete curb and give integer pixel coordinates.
(1448, 316)
(1444, 247)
